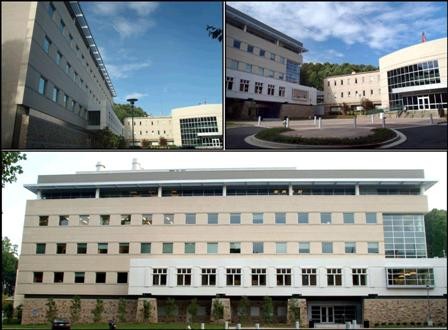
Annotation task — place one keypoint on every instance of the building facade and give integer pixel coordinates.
(333, 245)
(198, 126)
(55, 87)
(351, 89)
(263, 71)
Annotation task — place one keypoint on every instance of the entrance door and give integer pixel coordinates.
(326, 314)
(423, 102)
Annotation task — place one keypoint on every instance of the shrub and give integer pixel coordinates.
(218, 310)
(97, 312)
(146, 144)
(75, 309)
(122, 310)
(163, 142)
(243, 309)
(146, 311)
(171, 308)
(294, 311)
(267, 310)
(192, 309)
(19, 310)
(52, 311)
(8, 309)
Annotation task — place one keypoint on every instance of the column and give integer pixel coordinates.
(39, 194)
(224, 190)
(97, 193)
(221, 277)
(159, 191)
(271, 277)
(357, 189)
(290, 192)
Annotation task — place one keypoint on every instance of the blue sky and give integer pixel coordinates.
(159, 52)
(354, 32)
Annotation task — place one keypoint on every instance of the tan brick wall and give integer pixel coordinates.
(152, 307)
(379, 311)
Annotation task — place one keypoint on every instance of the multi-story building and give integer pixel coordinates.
(55, 87)
(351, 89)
(332, 245)
(198, 126)
(263, 71)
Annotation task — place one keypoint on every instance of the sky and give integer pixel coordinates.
(159, 52)
(14, 195)
(353, 32)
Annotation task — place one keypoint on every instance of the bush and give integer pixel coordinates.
(52, 311)
(146, 144)
(294, 311)
(122, 310)
(75, 309)
(8, 309)
(146, 311)
(243, 309)
(97, 312)
(218, 310)
(19, 310)
(267, 310)
(171, 309)
(192, 309)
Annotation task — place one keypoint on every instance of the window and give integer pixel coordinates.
(40, 248)
(67, 68)
(84, 219)
(43, 220)
(302, 217)
(236, 44)
(250, 49)
(349, 218)
(65, 100)
(233, 64)
(248, 67)
(334, 277)
(325, 218)
(168, 219)
(184, 276)
(258, 87)
(280, 218)
(283, 276)
(370, 217)
(190, 218)
(213, 218)
(372, 247)
(262, 52)
(260, 71)
(159, 276)
(190, 247)
(208, 276)
(269, 73)
(258, 276)
(51, 9)
(235, 247)
(304, 247)
(235, 218)
(359, 276)
(38, 277)
(233, 276)
(272, 56)
(102, 248)
(327, 247)
(280, 247)
(342, 82)
(42, 85)
(123, 248)
(257, 218)
(244, 85)
(125, 219)
(350, 247)
(271, 89)
(54, 96)
(281, 91)
(146, 219)
(79, 277)
(81, 248)
(58, 58)
(229, 83)
(47, 44)
(309, 276)
(100, 277)
(167, 248)
(212, 247)
(145, 247)
(58, 277)
(61, 26)
(413, 277)
(342, 94)
(122, 277)
(104, 220)
(61, 248)
(257, 247)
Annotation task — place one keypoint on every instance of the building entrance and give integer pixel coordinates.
(423, 102)
(335, 313)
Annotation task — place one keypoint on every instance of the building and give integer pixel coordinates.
(263, 71)
(415, 78)
(333, 245)
(55, 87)
(351, 89)
(198, 126)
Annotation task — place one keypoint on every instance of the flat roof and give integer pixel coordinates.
(352, 74)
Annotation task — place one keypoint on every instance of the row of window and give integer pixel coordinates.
(212, 247)
(79, 277)
(356, 93)
(362, 80)
(212, 218)
(255, 69)
(257, 51)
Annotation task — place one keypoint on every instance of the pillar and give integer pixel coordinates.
(224, 190)
(227, 312)
(152, 307)
(97, 193)
(357, 189)
(159, 191)
(303, 311)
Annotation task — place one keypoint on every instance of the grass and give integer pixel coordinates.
(275, 135)
(94, 326)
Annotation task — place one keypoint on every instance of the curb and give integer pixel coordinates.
(401, 139)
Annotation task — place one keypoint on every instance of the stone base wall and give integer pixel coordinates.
(404, 311)
(152, 307)
(35, 309)
(227, 315)
(297, 111)
(301, 304)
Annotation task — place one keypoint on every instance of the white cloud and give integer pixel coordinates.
(131, 27)
(143, 8)
(136, 95)
(124, 70)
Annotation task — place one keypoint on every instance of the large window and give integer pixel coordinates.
(258, 276)
(280, 218)
(257, 247)
(208, 276)
(190, 247)
(235, 218)
(212, 218)
(47, 44)
(415, 277)
(292, 71)
(359, 276)
(233, 276)
(191, 128)
(258, 87)
(244, 85)
(159, 276)
(325, 218)
(42, 85)
(323, 190)
(184, 276)
(257, 218)
(309, 276)
(334, 277)
(283, 276)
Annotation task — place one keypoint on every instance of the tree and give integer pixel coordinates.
(192, 309)
(122, 310)
(217, 310)
(125, 110)
(294, 310)
(163, 142)
(267, 310)
(10, 169)
(435, 225)
(97, 312)
(367, 104)
(214, 32)
(171, 309)
(52, 311)
(9, 266)
(75, 309)
(146, 144)
(243, 309)
(106, 139)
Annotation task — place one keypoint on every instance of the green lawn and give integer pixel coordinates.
(119, 326)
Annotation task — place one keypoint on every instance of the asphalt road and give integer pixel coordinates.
(426, 137)
(235, 137)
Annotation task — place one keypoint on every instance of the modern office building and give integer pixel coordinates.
(334, 245)
(351, 89)
(55, 88)
(198, 126)
(263, 71)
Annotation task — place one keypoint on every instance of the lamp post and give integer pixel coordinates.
(132, 101)
(429, 321)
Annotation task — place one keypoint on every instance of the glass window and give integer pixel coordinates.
(122, 277)
(104, 220)
(61, 26)
(146, 219)
(257, 247)
(100, 277)
(168, 219)
(159, 276)
(145, 247)
(40, 248)
(327, 247)
(58, 277)
(304, 247)
(229, 83)
(183, 276)
(258, 276)
(67, 68)
(61, 248)
(123, 248)
(84, 219)
(325, 218)
(283, 276)
(47, 44)
(235, 247)
(208, 276)
(235, 218)
(262, 52)
(54, 96)
(371, 217)
(372, 247)
(125, 219)
(233, 64)
(248, 67)
(51, 9)
(309, 276)
(359, 276)
(250, 48)
(63, 220)
(82, 248)
(257, 218)
(233, 276)
(190, 218)
(212, 218)
(280, 218)
(43, 220)
(302, 217)
(102, 248)
(42, 85)
(272, 56)
(58, 58)
(212, 247)
(236, 44)
(38, 277)
(349, 218)
(334, 277)
(79, 277)
(190, 247)
(350, 247)
(280, 247)
(167, 248)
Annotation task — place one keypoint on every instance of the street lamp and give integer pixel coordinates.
(132, 101)
(429, 321)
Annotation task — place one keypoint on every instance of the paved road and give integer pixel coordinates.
(235, 137)
(424, 137)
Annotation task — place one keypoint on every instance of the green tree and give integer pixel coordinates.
(171, 309)
(9, 266)
(75, 309)
(97, 312)
(217, 310)
(243, 309)
(10, 168)
(267, 310)
(125, 110)
(163, 142)
(367, 104)
(214, 32)
(52, 311)
(146, 144)
(106, 139)
(146, 311)
(122, 310)
(192, 309)
(435, 225)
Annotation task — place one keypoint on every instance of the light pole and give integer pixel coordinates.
(132, 101)
(429, 302)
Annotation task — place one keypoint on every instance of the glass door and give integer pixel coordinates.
(423, 102)
(326, 314)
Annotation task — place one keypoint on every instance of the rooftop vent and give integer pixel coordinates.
(99, 166)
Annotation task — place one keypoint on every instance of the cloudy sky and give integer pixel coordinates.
(159, 53)
(354, 32)
(14, 195)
